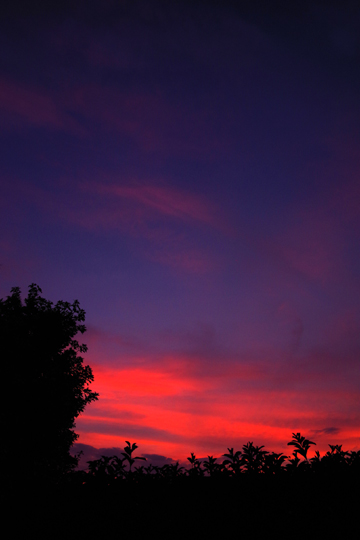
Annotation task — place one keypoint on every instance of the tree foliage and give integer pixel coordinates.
(45, 383)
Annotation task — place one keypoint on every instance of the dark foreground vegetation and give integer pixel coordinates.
(248, 493)
(251, 461)
(244, 507)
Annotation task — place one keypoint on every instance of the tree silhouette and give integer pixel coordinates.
(45, 384)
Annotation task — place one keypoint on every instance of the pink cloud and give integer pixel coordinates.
(167, 201)
(32, 105)
(164, 221)
(134, 205)
(165, 224)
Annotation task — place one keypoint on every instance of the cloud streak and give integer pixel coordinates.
(166, 201)
(177, 404)
(165, 224)
(29, 106)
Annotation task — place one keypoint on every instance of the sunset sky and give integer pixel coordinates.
(190, 172)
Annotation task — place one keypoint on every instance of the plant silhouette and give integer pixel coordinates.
(301, 444)
(196, 469)
(273, 463)
(253, 457)
(211, 467)
(46, 382)
(233, 461)
(128, 457)
(118, 466)
(253, 460)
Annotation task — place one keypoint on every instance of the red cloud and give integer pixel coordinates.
(172, 408)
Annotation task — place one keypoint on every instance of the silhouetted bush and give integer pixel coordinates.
(45, 386)
(252, 461)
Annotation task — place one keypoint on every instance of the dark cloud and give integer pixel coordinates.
(327, 431)
(90, 453)
(158, 460)
(127, 431)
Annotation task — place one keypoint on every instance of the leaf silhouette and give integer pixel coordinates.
(301, 444)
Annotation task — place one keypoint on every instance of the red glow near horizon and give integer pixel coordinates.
(169, 412)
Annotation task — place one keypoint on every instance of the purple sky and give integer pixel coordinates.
(189, 171)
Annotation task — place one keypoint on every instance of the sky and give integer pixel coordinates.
(189, 171)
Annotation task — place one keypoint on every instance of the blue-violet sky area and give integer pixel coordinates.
(189, 171)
